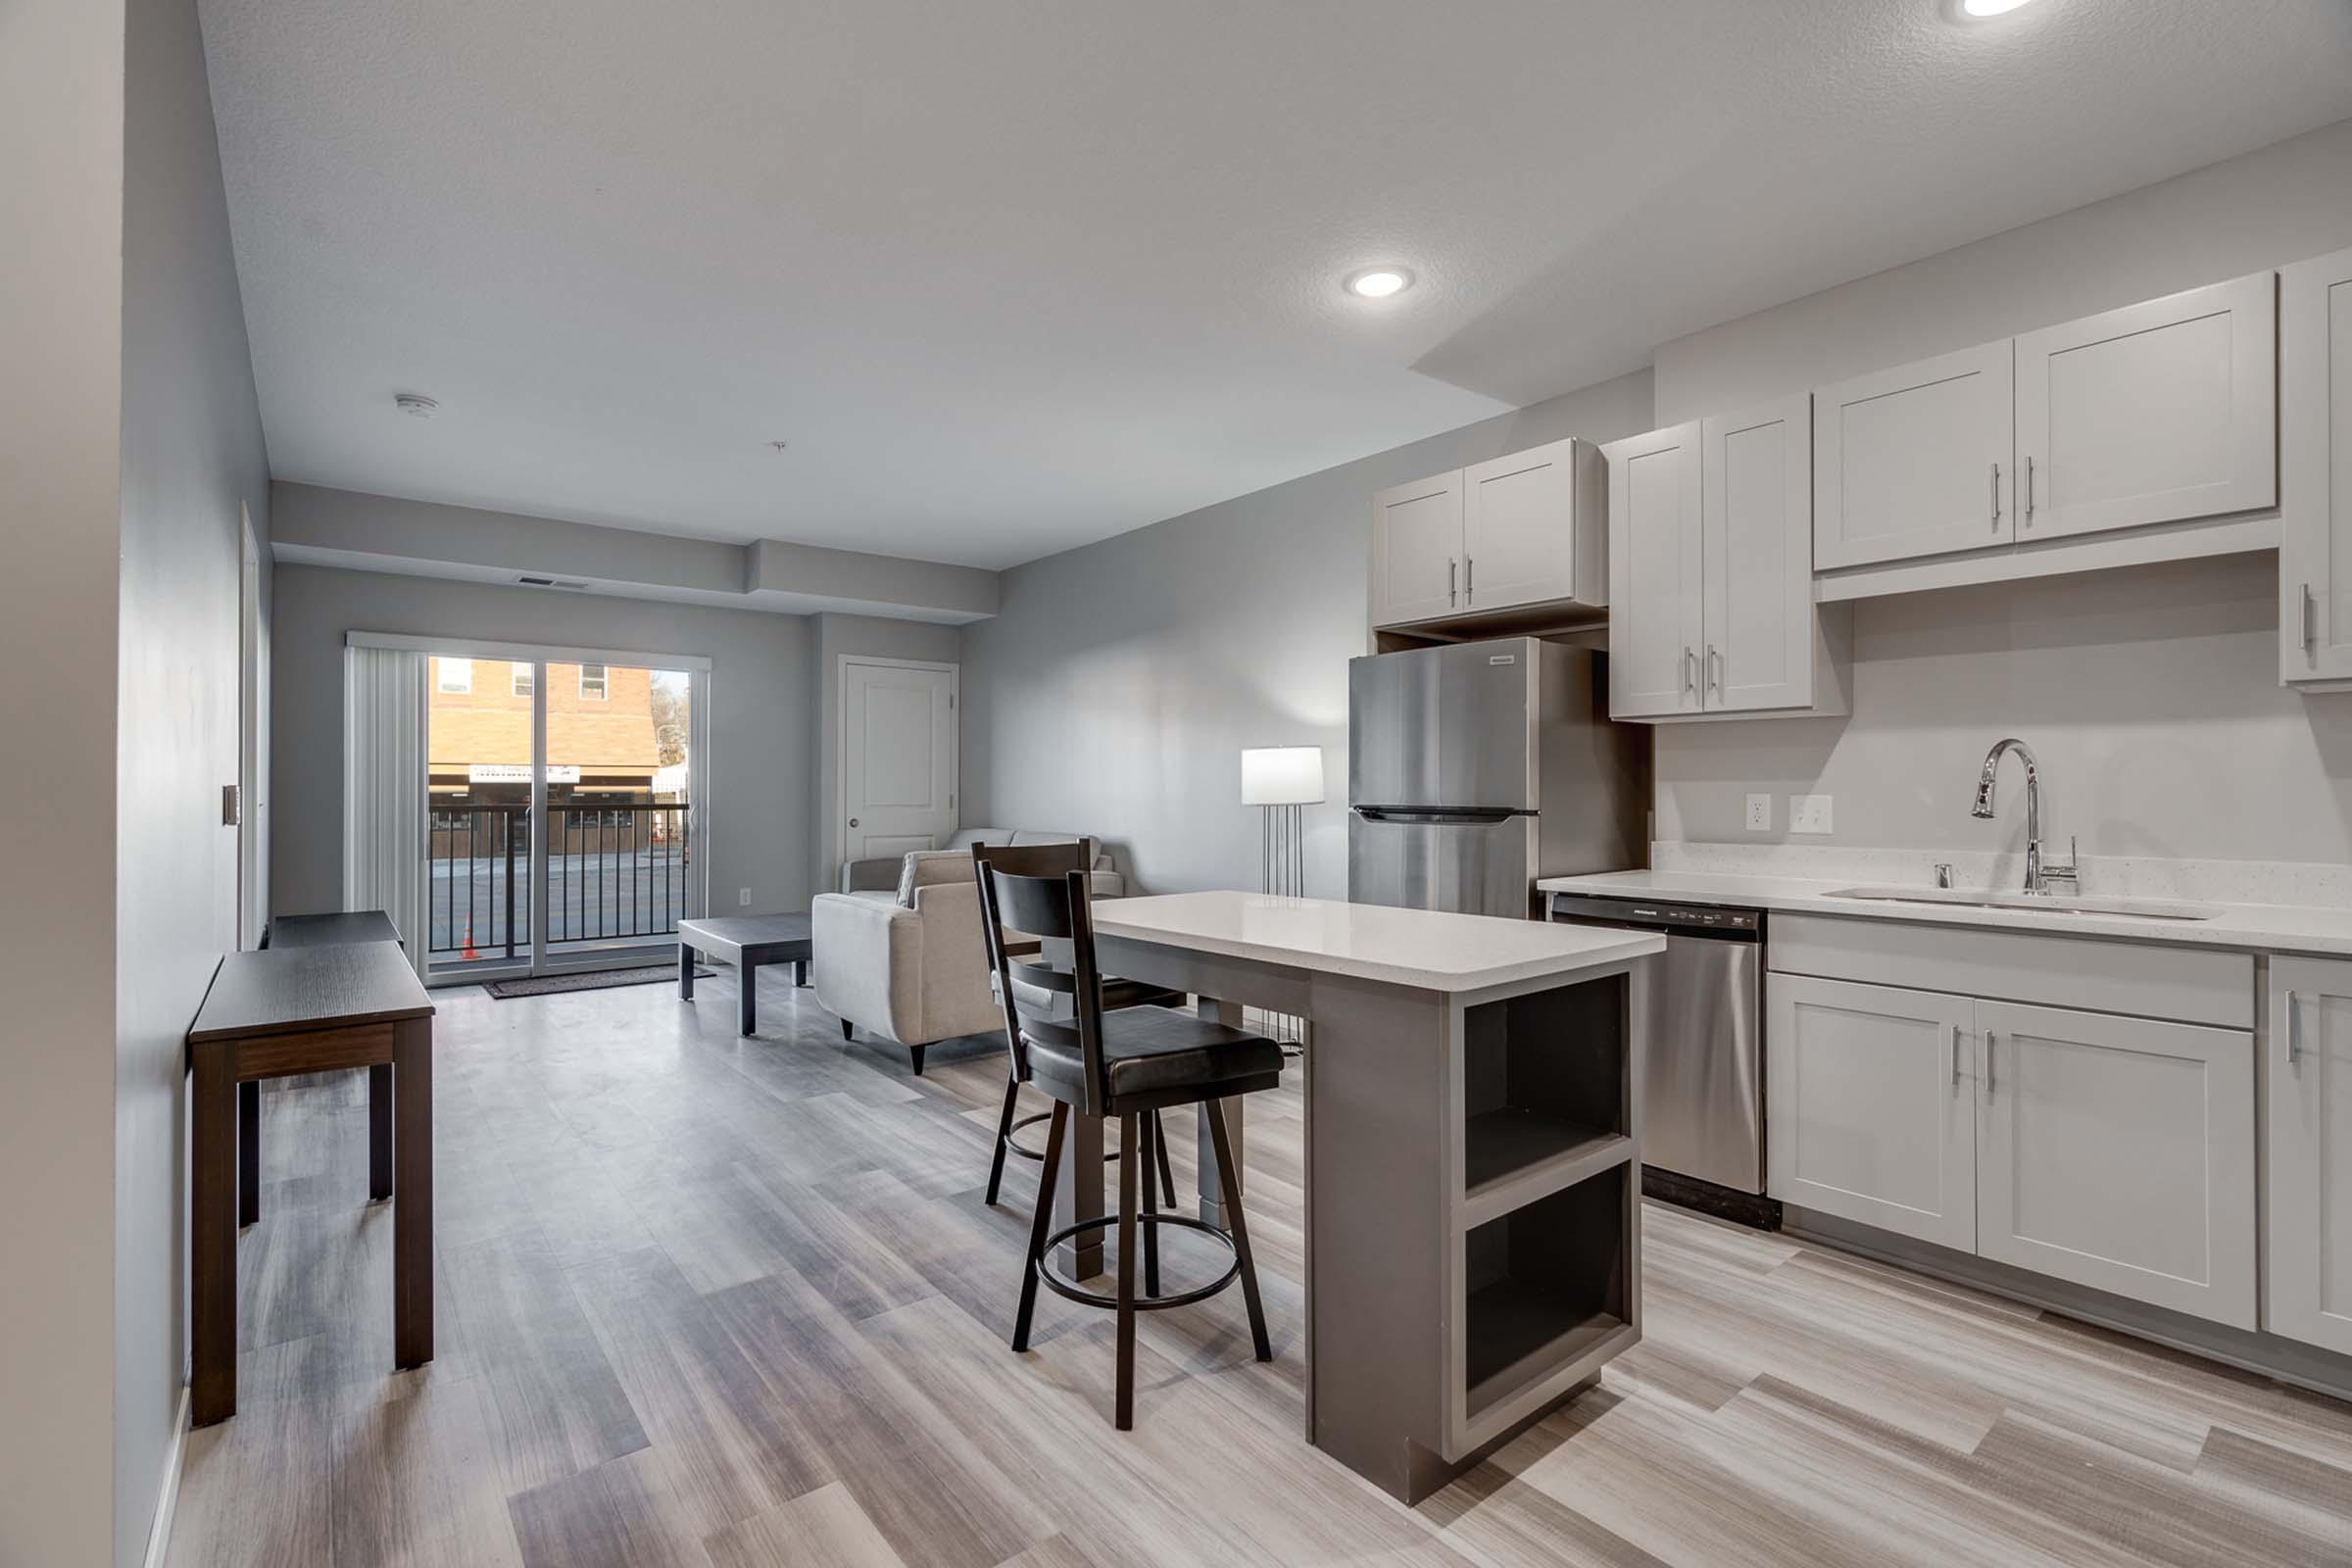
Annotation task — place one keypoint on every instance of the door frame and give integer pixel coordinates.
(839, 826)
(253, 702)
(698, 667)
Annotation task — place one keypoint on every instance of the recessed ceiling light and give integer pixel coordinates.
(416, 405)
(1991, 7)
(1379, 282)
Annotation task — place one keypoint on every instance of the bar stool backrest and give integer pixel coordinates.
(1054, 908)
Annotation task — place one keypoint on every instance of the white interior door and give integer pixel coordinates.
(1914, 460)
(897, 756)
(2159, 410)
(2309, 1256)
(1758, 554)
(2118, 1153)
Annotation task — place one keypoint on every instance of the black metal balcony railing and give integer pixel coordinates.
(615, 873)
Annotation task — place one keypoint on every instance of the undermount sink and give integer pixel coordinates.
(2045, 902)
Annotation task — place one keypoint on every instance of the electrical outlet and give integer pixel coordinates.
(1808, 813)
(743, 897)
(1760, 814)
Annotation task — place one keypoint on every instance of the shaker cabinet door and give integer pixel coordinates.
(1757, 551)
(1417, 550)
(1914, 460)
(1870, 1110)
(1654, 549)
(2118, 1153)
(2308, 1242)
(2157, 412)
(2315, 482)
(1519, 530)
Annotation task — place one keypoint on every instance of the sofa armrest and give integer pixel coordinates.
(876, 874)
(1106, 884)
(864, 959)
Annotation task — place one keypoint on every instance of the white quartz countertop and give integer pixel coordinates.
(2255, 927)
(1419, 948)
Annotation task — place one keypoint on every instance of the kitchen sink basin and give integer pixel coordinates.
(2047, 903)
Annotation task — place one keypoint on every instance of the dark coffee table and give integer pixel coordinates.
(747, 940)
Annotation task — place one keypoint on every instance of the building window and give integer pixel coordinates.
(592, 683)
(521, 679)
(457, 674)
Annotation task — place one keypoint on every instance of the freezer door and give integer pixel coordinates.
(1465, 865)
(1445, 726)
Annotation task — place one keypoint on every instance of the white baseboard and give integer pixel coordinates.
(159, 1533)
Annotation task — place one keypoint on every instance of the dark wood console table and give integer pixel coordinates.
(296, 1009)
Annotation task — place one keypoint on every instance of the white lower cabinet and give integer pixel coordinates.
(2118, 1153)
(2112, 1152)
(1870, 1110)
(2308, 1248)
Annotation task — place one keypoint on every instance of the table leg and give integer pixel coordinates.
(213, 1235)
(380, 1130)
(1209, 1194)
(800, 972)
(1078, 1195)
(412, 1193)
(249, 1152)
(685, 972)
(747, 1001)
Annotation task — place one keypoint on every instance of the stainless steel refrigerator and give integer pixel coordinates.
(1476, 768)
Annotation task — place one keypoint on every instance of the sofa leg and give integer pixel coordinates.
(916, 1051)
(848, 1030)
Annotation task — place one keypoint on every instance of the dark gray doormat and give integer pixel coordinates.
(548, 985)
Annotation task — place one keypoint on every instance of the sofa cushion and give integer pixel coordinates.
(925, 868)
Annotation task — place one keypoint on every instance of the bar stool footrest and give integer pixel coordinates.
(1038, 1155)
(1061, 1285)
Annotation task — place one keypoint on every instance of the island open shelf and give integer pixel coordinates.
(1546, 1285)
(1543, 1094)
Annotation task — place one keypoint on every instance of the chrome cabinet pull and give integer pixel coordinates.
(1988, 1066)
(1715, 668)
(1689, 681)
(1996, 494)
(1449, 573)
(2311, 618)
(2294, 1042)
(1955, 1056)
(1469, 590)
(2029, 492)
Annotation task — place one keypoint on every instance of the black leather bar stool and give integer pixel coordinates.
(1048, 859)
(1130, 1064)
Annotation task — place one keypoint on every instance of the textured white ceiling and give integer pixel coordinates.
(1013, 276)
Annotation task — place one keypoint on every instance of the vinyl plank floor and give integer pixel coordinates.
(707, 1301)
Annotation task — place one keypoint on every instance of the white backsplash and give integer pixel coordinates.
(2296, 884)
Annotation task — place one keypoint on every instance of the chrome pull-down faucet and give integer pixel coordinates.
(2038, 875)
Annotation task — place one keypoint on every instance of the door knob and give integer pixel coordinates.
(852, 821)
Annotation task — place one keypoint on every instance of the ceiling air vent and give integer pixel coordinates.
(571, 583)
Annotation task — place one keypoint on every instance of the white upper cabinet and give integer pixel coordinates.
(1870, 1097)
(1654, 576)
(1914, 460)
(2154, 413)
(1756, 558)
(2315, 440)
(1417, 550)
(2118, 1153)
(2308, 1241)
(1526, 539)
(1519, 531)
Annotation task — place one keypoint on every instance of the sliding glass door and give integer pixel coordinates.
(563, 830)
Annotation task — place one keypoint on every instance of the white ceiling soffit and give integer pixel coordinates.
(1009, 278)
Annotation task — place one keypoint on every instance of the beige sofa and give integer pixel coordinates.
(904, 960)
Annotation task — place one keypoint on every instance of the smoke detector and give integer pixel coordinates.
(416, 405)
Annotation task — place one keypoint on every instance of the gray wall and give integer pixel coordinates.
(61, 314)
(837, 635)
(2152, 694)
(1115, 691)
(762, 713)
(191, 455)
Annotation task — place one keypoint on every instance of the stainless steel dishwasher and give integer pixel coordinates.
(1702, 1060)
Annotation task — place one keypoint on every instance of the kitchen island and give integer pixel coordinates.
(1472, 1147)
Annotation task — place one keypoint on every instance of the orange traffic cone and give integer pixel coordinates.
(468, 953)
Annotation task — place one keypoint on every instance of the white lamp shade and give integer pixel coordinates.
(1282, 775)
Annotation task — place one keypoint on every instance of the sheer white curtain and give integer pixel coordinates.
(384, 788)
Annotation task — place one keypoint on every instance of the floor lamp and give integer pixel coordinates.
(1281, 781)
